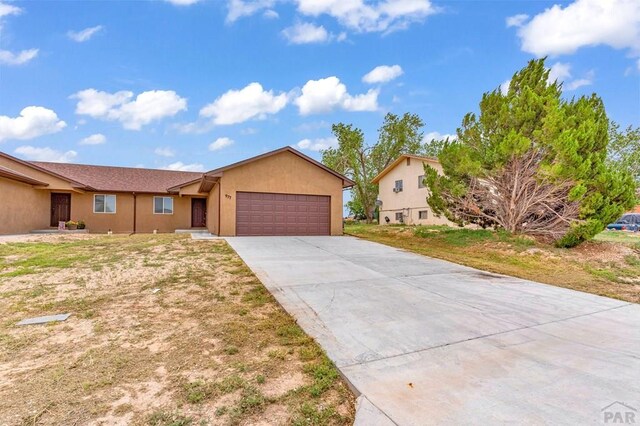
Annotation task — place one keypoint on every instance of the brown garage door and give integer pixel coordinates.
(282, 214)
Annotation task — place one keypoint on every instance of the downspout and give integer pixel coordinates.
(134, 213)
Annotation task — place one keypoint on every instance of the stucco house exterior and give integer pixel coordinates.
(403, 196)
(282, 192)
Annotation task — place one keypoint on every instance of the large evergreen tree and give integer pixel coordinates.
(532, 163)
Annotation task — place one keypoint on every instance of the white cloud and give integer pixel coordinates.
(96, 139)
(180, 166)
(237, 106)
(559, 71)
(9, 9)
(45, 154)
(504, 87)
(182, 2)
(33, 121)
(132, 113)
(241, 8)
(558, 30)
(220, 143)
(318, 144)
(516, 20)
(271, 14)
(587, 80)
(382, 74)
(326, 94)
(305, 33)
(384, 15)
(84, 35)
(438, 136)
(24, 56)
(164, 152)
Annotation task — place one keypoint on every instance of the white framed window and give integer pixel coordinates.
(162, 205)
(398, 186)
(421, 182)
(423, 214)
(103, 203)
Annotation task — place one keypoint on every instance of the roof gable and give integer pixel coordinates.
(346, 182)
(398, 160)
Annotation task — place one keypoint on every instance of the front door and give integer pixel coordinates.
(60, 208)
(198, 212)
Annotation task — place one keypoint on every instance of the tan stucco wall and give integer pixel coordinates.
(283, 173)
(212, 210)
(412, 199)
(191, 189)
(54, 182)
(122, 220)
(24, 208)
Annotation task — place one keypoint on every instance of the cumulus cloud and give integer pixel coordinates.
(516, 20)
(563, 30)
(164, 152)
(84, 35)
(438, 136)
(237, 106)
(562, 73)
(9, 58)
(32, 122)
(9, 9)
(504, 87)
(45, 154)
(327, 94)
(220, 143)
(318, 144)
(559, 71)
(305, 33)
(95, 139)
(242, 8)
(182, 2)
(271, 14)
(180, 166)
(132, 113)
(361, 16)
(382, 74)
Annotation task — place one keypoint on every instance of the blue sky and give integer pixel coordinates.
(189, 84)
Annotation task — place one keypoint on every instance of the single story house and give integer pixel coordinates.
(282, 192)
(402, 194)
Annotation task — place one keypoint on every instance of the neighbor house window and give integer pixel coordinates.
(423, 214)
(421, 181)
(399, 217)
(162, 205)
(398, 187)
(104, 203)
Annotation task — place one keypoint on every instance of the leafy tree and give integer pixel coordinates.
(361, 162)
(434, 147)
(532, 163)
(624, 149)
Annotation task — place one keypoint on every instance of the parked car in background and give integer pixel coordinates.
(628, 222)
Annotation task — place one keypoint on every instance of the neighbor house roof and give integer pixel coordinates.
(120, 179)
(346, 182)
(40, 169)
(398, 161)
(14, 175)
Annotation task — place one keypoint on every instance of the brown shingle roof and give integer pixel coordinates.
(120, 179)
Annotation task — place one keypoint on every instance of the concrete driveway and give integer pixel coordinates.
(426, 341)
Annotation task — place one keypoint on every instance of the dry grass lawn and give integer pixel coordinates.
(608, 266)
(164, 330)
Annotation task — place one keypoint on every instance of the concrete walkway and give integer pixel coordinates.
(430, 342)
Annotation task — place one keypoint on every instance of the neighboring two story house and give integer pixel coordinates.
(402, 194)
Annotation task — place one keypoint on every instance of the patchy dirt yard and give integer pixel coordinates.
(164, 330)
(609, 265)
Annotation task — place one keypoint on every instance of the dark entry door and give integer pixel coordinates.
(60, 208)
(198, 212)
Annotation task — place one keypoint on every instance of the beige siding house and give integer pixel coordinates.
(402, 195)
